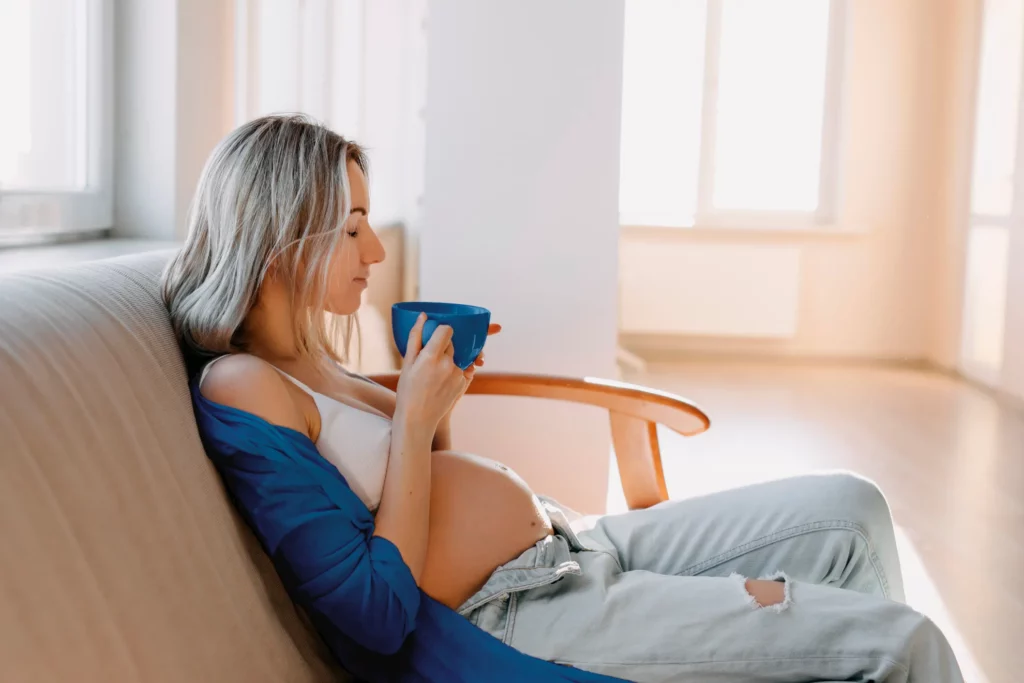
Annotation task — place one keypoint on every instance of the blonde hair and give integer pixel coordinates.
(275, 192)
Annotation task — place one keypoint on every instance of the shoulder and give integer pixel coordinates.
(253, 385)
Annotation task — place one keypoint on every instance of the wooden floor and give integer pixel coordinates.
(949, 457)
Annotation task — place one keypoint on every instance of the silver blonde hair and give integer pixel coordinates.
(274, 192)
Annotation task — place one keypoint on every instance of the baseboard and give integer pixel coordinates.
(792, 360)
(1011, 401)
(662, 350)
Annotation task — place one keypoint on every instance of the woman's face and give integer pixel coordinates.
(358, 250)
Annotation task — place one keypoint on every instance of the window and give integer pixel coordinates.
(730, 112)
(997, 189)
(997, 117)
(55, 142)
(357, 65)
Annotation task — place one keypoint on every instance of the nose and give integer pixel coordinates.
(373, 250)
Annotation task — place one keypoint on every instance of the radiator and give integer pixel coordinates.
(718, 290)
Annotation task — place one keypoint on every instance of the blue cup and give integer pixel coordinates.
(469, 326)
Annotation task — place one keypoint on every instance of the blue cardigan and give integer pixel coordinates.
(356, 588)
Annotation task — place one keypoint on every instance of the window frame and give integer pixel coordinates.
(829, 171)
(30, 216)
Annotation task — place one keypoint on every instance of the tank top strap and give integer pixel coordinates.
(206, 368)
(296, 382)
(300, 385)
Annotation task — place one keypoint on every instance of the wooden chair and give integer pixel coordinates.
(634, 412)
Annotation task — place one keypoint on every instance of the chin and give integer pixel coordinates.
(344, 305)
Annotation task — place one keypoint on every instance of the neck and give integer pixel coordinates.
(269, 329)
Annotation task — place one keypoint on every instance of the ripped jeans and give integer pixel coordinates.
(659, 595)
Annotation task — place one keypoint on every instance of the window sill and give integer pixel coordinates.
(732, 232)
(52, 255)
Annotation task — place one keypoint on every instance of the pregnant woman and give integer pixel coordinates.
(419, 563)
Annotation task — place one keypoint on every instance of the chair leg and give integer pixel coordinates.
(639, 460)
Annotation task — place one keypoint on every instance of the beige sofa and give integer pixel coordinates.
(121, 557)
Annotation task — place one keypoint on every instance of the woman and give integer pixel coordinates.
(406, 554)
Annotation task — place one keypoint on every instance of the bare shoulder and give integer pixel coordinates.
(251, 384)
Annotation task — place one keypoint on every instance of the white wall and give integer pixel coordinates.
(205, 92)
(145, 134)
(872, 287)
(1013, 361)
(957, 58)
(174, 95)
(521, 216)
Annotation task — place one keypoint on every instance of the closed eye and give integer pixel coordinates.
(355, 210)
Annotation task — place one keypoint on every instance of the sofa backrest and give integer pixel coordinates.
(121, 557)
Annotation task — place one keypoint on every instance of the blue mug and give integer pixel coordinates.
(469, 326)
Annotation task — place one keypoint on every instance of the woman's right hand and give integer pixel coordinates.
(430, 382)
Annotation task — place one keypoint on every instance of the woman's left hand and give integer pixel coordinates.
(492, 329)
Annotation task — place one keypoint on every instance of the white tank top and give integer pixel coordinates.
(356, 442)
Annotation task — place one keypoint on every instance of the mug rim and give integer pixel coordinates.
(469, 309)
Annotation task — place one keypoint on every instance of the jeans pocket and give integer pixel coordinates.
(492, 616)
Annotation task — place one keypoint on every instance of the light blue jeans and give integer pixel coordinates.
(659, 595)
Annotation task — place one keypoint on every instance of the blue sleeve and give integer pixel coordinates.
(330, 562)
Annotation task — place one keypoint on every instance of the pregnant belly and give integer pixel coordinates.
(482, 515)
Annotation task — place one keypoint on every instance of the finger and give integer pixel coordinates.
(415, 343)
(449, 353)
(493, 328)
(479, 360)
(440, 340)
(469, 372)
